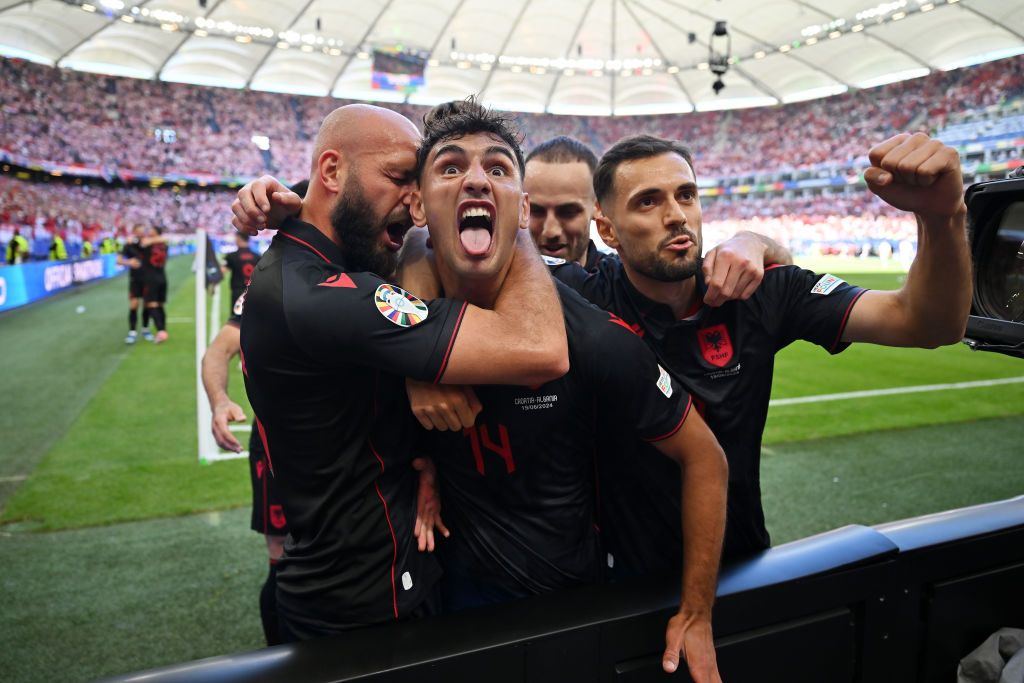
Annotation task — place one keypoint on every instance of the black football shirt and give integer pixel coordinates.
(324, 352)
(724, 358)
(241, 263)
(517, 489)
(154, 260)
(134, 250)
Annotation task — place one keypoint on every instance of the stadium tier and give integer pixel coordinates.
(133, 127)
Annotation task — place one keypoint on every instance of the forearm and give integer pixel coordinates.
(704, 485)
(215, 375)
(528, 306)
(938, 291)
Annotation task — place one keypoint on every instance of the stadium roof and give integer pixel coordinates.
(570, 57)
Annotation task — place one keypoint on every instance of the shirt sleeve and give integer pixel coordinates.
(633, 389)
(341, 318)
(800, 304)
(594, 286)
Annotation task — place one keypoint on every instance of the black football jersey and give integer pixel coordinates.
(517, 488)
(325, 352)
(724, 358)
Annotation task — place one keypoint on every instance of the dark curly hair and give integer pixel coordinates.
(459, 118)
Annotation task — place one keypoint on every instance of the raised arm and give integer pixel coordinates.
(522, 340)
(704, 473)
(218, 355)
(915, 173)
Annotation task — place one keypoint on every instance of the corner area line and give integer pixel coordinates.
(16, 477)
(895, 390)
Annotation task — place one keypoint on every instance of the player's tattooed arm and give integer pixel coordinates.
(263, 204)
(734, 269)
(705, 475)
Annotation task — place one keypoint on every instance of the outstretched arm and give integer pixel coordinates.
(705, 475)
(915, 173)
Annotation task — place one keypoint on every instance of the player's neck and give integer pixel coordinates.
(481, 292)
(680, 296)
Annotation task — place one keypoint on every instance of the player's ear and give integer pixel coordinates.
(419, 216)
(524, 212)
(605, 228)
(330, 167)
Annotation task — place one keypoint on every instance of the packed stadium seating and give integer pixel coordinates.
(107, 127)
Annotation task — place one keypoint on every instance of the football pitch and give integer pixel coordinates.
(121, 552)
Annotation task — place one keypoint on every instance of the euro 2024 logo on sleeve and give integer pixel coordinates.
(400, 307)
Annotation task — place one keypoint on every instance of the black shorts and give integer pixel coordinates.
(154, 290)
(135, 288)
(267, 513)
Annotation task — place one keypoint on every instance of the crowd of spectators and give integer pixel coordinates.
(65, 116)
(91, 211)
(128, 125)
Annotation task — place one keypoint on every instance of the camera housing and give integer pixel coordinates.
(995, 216)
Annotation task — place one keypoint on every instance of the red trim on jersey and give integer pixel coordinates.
(266, 506)
(266, 446)
(241, 357)
(305, 244)
(692, 311)
(394, 541)
(451, 343)
(339, 280)
(689, 404)
(846, 318)
(773, 266)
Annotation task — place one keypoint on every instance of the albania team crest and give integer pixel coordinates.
(400, 307)
(715, 345)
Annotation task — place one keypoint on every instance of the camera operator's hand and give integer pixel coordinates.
(263, 204)
(918, 174)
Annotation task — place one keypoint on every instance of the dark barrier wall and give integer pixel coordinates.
(902, 602)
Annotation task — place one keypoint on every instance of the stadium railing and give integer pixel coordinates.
(898, 602)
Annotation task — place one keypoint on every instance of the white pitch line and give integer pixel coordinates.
(178, 321)
(895, 390)
(16, 477)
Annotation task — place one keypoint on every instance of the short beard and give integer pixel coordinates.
(656, 268)
(358, 231)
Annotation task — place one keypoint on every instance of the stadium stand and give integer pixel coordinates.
(104, 128)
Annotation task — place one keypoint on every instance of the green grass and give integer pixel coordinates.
(82, 604)
(106, 434)
(131, 453)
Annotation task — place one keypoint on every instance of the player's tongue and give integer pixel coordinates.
(476, 241)
(475, 233)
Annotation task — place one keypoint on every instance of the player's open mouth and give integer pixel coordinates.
(476, 226)
(396, 234)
